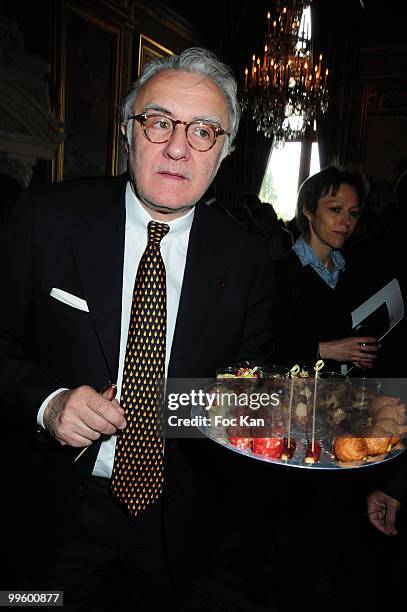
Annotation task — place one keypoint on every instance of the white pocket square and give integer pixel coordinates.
(69, 299)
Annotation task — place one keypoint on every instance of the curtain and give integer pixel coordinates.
(320, 45)
(243, 170)
(337, 36)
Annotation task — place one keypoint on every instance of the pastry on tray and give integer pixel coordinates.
(379, 402)
(347, 448)
(377, 439)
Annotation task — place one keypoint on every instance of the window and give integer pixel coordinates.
(280, 182)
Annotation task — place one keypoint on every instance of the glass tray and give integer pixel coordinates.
(342, 409)
(327, 461)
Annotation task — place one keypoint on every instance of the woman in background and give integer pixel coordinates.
(312, 319)
(312, 316)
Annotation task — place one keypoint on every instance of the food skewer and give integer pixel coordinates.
(318, 366)
(293, 373)
(314, 451)
(288, 449)
(312, 455)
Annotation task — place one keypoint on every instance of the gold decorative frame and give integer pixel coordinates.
(95, 149)
(148, 50)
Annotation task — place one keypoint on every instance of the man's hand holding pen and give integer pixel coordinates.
(78, 417)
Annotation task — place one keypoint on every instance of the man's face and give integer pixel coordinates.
(171, 177)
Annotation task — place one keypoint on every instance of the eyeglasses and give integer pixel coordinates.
(158, 129)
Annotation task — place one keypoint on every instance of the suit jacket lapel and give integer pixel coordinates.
(98, 250)
(205, 275)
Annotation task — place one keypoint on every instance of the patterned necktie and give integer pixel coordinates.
(138, 471)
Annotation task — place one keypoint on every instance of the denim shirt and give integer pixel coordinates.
(307, 256)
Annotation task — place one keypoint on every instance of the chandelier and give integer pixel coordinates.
(283, 90)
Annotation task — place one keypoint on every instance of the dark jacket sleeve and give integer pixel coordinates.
(293, 341)
(257, 334)
(23, 383)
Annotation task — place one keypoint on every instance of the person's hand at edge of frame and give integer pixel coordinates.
(382, 511)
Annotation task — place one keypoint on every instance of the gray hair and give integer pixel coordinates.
(201, 61)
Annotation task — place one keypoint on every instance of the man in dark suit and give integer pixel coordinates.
(74, 262)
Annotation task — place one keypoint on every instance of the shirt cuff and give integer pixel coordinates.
(40, 415)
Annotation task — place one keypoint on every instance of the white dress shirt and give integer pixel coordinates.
(174, 248)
